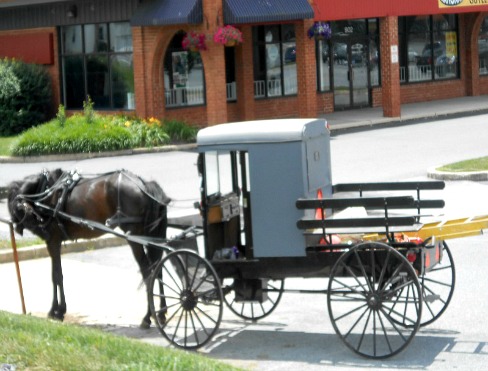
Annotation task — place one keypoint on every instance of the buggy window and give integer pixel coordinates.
(218, 171)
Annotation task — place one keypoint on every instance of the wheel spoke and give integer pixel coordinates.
(353, 275)
(383, 270)
(360, 263)
(385, 333)
(437, 282)
(351, 312)
(438, 269)
(364, 331)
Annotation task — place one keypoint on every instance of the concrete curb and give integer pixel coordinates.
(40, 251)
(476, 176)
(85, 156)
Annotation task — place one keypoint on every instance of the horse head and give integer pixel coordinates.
(22, 195)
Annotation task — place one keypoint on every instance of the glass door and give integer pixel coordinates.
(351, 78)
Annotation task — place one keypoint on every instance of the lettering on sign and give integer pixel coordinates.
(461, 3)
(451, 2)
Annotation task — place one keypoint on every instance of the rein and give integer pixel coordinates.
(64, 185)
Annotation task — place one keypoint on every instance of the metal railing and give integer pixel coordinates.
(423, 72)
(184, 96)
(272, 88)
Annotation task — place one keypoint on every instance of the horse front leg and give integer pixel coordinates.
(58, 307)
(144, 263)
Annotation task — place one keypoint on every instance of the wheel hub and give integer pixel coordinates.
(188, 300)
(374, 301)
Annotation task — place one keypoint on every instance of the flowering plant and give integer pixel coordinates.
(194, 41)
(228, 35)
(320, 30)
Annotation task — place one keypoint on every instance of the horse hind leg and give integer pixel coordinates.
(154, 255)
(145, 262)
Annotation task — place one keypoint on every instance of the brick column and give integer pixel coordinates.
(470, 24)
(139, 72)
(390, 72)
(214, 65)
(245, 76)
(306, 70)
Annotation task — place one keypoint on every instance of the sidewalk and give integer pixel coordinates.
(423, 111)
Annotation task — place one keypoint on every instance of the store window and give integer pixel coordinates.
(184, 83)
(323, 64)
(355, 43)
(428, 48)
(97, 61)
(275, 69)
(230, 74)
(483, 47)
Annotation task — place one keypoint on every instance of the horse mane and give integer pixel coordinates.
(156, 217)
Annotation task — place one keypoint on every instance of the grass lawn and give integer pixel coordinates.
(5, 143)
(20, 242)
(39, 344)
(477, 164)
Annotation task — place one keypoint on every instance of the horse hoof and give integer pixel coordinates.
(145, 325)
(56, 316)
(162, 318)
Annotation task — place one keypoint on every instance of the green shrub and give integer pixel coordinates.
(76, 136)
(145, 133)
(179, 131)
(9, 83)
(26, 96)
(91, 132)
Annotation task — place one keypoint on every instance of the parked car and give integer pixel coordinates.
(291, 54)
(424, 61)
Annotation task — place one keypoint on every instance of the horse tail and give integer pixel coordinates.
(156, 216)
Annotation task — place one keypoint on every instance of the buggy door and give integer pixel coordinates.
(225, 197)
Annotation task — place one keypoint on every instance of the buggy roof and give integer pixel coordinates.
(261, 131)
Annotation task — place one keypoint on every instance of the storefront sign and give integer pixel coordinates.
(461, 3)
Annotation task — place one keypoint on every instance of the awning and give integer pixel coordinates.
(166, 12)
(261, 11)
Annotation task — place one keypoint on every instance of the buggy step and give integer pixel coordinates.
(366, 202)
(388, 186)
(356, 222)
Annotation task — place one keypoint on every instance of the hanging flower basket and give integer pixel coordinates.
(194, 41)
(228, 36)
(320, 31)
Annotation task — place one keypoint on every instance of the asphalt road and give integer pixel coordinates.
(103, 287)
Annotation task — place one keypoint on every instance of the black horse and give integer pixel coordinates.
(40, 203)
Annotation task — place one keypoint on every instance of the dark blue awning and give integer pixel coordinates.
(166, 12)
(261, 11)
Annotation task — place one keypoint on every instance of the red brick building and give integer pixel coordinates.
(128, 56)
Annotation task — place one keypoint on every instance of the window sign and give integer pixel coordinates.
(451, 44)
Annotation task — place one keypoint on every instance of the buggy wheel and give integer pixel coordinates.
(253, 309)
(438, 287)
(367, 299)
(190, 297)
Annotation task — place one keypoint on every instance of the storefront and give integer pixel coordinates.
(128, 56)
